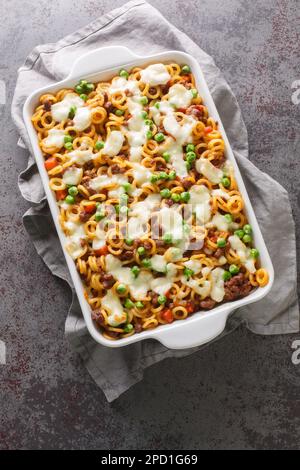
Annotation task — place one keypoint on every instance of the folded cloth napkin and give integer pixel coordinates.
(277, 313)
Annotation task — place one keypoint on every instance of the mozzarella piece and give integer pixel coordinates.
(194, 264)
(138, 286)
(72, 176)
(55, 138)
(141, 174)
(113, 306)
(60, 111)
(158, 263)
(113, 144)
(180, 96)
(81, 156)
(102, 181)
(82, 119)
(161, 285)
(211, 172)
(76, 234)
(243, 253)
(201, 287)
(173, 254)
(171, 222)
(200, 200)
(121, 84)
(219, 221)
(220, 193)
(155, 74)
(140, 213)
(217, 291)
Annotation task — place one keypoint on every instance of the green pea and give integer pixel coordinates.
(162, 299)
(239, 233)
(83, 83)
(165, 193)
(127, 187)
(163, 175)
(247, 229)
(129, 241)
(149, 123)
(188, 273)
(128, 303)
(144, 100)
(228, 218)
(89, 87)
(159, 137)
(221, 242)
(233, 269)
(135, 271)
(99, 216)
(188, 165)
(154, 179)
(190, 157)
(128, 328)
(121, 289)
(146, 263)
(254, 253)
(167, 238)
(139, 304)
(73, 191)
(70, 199)
(72, 112)
(225, 182)
(123, 73)
(141, 250)
(149, 135)
(144, 114)
(194, 92)
(190, 148)
(99, 145)
(186, 69)
(166, 156)
(247, 238)
(172, 175)
(119, 112)
(68, 138)
(175, 197)
(78, 89)
(226, 276)
(157, 105)
(185, 196)
(83, 96)
(68, 146)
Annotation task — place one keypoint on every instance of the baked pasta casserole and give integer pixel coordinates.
(148, 202)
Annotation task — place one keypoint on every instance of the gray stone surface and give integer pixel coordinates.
(241, 392)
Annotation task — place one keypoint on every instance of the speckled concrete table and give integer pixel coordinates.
(241, 392)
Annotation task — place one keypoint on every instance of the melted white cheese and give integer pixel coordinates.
(217, 291)
(141, 174)
(76, 234)
(211, 172)
(60, 111)
(55, 138)
(201, 287)
(171, 222)
(243, 253)
(194, 264)
(82, 118)
(219, 221)
(158, 263)
(72, 176)
(138, 286)
(200, 200)
(220, 193)
(113, 306)
(81, 156)
(102, 181)
(113, 144)
(121, 84)
(156, 74)
(140, 213)
(161, 285)
(180, 96)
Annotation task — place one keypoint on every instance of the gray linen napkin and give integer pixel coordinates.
(275, 314)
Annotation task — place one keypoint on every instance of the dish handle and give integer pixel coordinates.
(100, 59)
(192, 334)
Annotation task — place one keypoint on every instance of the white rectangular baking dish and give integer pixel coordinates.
(102, 64)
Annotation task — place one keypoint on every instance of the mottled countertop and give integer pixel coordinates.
(241, 392)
